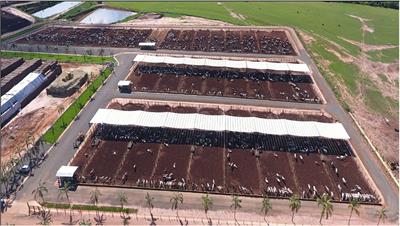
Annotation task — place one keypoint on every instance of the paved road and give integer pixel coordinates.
(62, 153)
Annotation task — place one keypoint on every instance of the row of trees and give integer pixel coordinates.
(27, 153)
(324, 202)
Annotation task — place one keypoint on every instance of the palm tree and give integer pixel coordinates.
(175, 200)
(94, 196)
(64, 192)
(207, 203)
(327, 207)
(294, 204)
(40, 190)
(381, 215)
(235, 205)
(266, 206)
(353, 206)
(149, 201)
(122, 199)
(45, 217)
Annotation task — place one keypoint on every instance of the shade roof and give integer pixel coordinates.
(224, 63)
(66, 171)
(220, 123)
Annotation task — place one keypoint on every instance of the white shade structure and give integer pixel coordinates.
(224, 63)
(66, 171)
(220, 123)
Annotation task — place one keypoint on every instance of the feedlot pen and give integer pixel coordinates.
(228, 82)
(157, 164)
(275, 41)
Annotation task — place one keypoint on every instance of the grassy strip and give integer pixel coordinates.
(34, 27)
(90, 207)
(58, 57)
(84, 7)
(66, 118)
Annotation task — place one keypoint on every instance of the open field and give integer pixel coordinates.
(158, 159)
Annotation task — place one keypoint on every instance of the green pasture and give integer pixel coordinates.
(328, 20)
(59, 57)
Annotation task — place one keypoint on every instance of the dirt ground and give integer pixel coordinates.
(37, 116)
(184, 20)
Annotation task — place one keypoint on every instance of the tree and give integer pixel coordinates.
(294, 205)
(353, 206)
(100, 219)
(64, 192)
(175, 200)
(122, 199)
(125, 217)
(40, 190)
(94, 196)
(381, 215)
(45, 217)
(235, 205)
(149, 200)
(4, 177)
(207, 203)
(326, 205)
(266, 206)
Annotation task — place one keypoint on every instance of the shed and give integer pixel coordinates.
(66, 174)
(124, 86)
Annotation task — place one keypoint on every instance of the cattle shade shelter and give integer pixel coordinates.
(272, 66)
(197, 121)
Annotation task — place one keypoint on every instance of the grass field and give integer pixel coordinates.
(59, 57)
(385, 56)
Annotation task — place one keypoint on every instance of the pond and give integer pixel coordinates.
(56, 9)
(106, 16)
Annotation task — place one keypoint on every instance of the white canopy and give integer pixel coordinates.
(147, 44)
(224, 63)
(66, 171)
(124, 83)
(220, 123)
